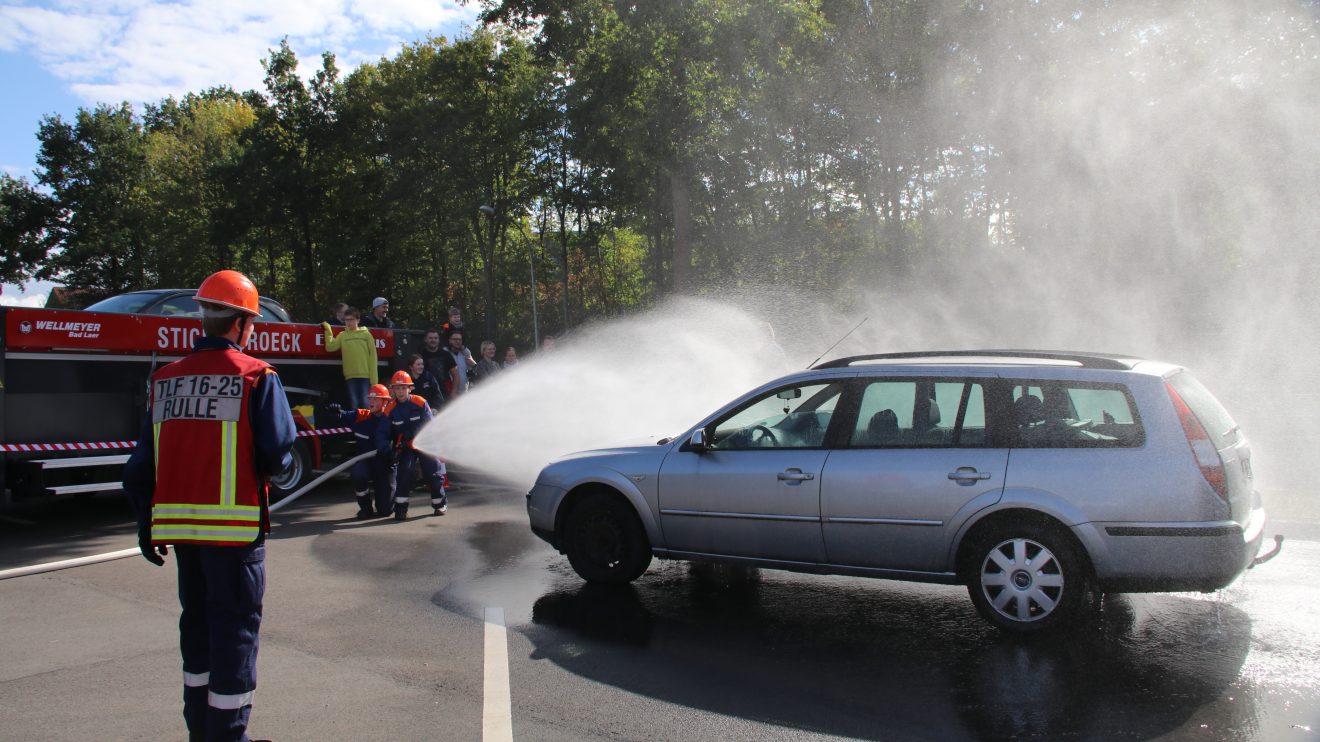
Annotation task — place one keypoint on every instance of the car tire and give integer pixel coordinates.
(294, 476)
(1027, 577)
(604, 540)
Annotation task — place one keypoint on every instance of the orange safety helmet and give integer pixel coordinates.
(401, 378)
(230, 289)
(379, 391)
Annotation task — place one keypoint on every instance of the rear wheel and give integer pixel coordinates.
(1027, 577)
(295, 475)
(604, 540)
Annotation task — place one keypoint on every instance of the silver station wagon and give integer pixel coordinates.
(1037, 479)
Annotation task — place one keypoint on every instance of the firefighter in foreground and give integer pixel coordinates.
(409, 413)
(371, 431)
(218, 426)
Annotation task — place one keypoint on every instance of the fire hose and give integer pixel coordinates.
(113, 555)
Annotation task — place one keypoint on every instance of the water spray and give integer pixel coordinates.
(840, 340)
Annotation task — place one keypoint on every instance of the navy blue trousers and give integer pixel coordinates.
(376, 472)
(435, 481)
(220, 589)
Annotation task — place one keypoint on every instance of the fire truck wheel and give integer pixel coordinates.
(295, 475)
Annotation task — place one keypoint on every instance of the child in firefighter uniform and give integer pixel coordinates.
(409, 413)
(218, 427)
(371, 432)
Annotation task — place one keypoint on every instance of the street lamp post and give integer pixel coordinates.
(489, 211)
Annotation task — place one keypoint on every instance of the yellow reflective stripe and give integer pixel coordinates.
(160, 513)
(163, 532)
(204, 506)
(155, 445)
(228, 474)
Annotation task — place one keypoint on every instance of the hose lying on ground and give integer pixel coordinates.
(36, 569)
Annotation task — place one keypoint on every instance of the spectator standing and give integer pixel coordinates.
(487, 366)
(455, 323)
(510, 357)
(357, 348)
(337, 315)
(425, 385)
(379, 317)
(548, 344)
(462, 359)
(440, 361)
(218, 426)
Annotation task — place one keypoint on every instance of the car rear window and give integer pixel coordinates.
(1214, 418)
(920, 413)
(1072, 415)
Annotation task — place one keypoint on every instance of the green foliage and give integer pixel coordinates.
(26, 220)
(627, 150)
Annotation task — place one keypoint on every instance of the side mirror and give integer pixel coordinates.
(698, 440)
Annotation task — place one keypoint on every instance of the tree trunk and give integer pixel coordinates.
(682, 210)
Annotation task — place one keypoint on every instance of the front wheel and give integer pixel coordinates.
(1027, 578)
(604, 540)
(295, 475)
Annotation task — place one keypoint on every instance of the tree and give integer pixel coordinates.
(27, 221)
(96, 169)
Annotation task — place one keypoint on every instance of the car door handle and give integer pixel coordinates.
(795, 475)
(967, 475)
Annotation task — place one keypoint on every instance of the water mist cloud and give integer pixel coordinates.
(649, 376)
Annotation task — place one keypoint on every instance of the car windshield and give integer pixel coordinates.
(124, 303)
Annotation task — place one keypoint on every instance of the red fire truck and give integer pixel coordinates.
(73, 392)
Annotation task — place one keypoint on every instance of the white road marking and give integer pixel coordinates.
(496, 714)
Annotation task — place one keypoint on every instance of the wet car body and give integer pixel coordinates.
(1050, 477)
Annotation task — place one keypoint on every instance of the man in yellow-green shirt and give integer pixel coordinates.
(357, 348)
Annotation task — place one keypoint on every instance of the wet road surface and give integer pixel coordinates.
(373, 631)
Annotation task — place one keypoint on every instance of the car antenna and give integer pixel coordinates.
(840, 340)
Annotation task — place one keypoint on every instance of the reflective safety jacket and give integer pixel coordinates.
(219, 426)
(407, 418)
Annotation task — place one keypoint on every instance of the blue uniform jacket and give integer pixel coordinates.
(273, 433)
(370, 432)
(408, 417)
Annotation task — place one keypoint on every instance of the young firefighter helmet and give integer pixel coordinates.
(378, 391)
(230, 289)
(401, 378)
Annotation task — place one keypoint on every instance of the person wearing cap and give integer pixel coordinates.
(371, 431)
(379, 317)
(357, 350)
(408, 416)
(217, 427)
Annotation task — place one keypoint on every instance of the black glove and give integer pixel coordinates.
(334, 408)
(153, 553)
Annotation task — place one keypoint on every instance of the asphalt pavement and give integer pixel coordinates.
(377, 630)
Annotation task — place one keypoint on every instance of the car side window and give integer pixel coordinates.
(921, 414)
(794, 417)
(1070, 415)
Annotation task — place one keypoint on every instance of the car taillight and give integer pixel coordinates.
(1203, 449)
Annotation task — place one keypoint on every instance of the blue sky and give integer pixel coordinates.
(59, 55)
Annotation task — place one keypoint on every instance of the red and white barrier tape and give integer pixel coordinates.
(101, 446)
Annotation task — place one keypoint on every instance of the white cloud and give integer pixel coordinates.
(144, 50)
(33, 294)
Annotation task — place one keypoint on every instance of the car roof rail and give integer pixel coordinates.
(1111, 361)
